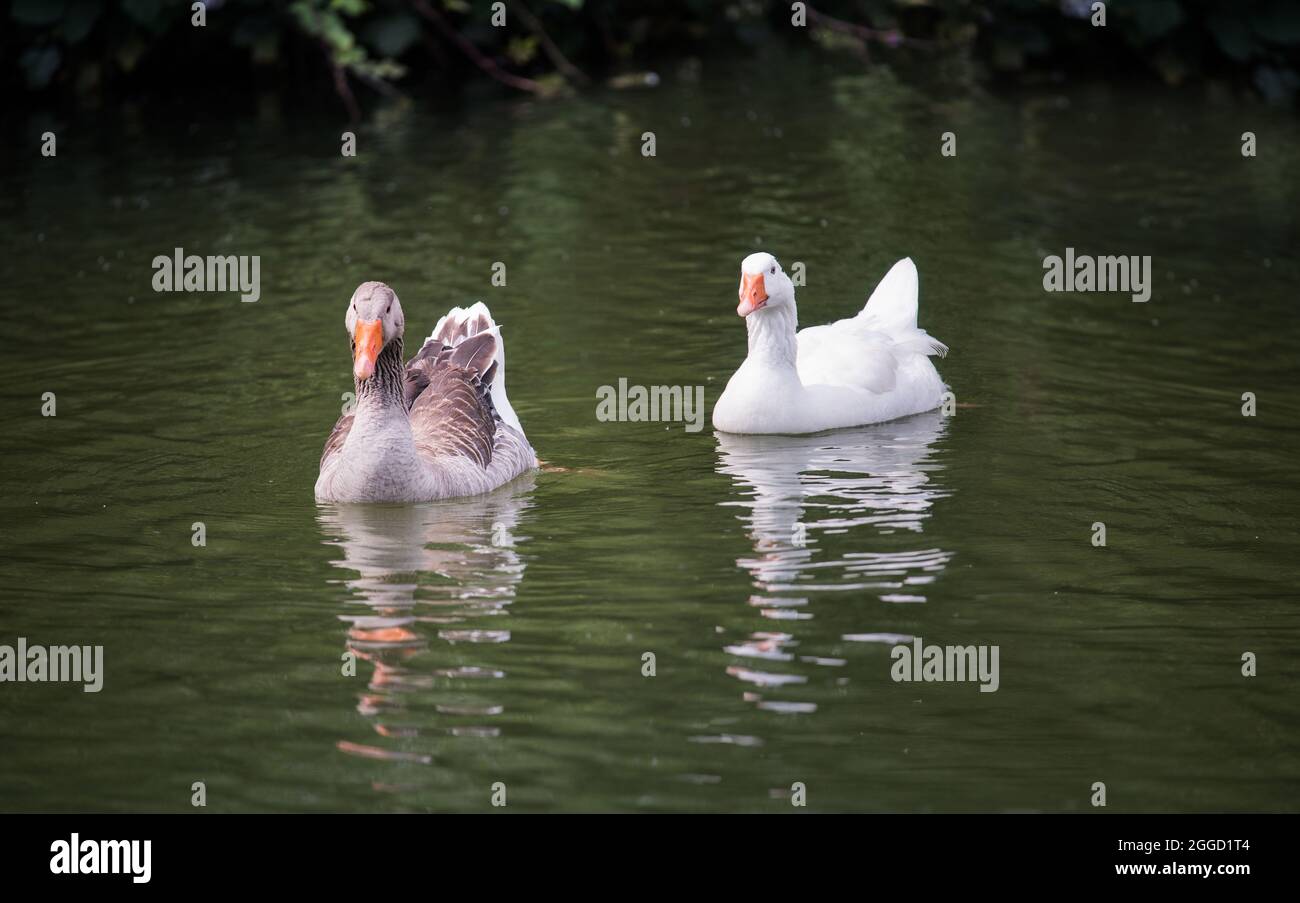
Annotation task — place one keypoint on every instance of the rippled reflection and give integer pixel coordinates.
(816, 509)
(425, 578)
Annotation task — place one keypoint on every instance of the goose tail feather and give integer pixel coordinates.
(462, 323)
(892, 309)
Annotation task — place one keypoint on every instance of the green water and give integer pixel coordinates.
(520, 660)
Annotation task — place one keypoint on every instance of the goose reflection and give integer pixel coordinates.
(817, 509)
(425, 583)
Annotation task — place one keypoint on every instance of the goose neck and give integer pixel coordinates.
(772, 335)
(383, 392)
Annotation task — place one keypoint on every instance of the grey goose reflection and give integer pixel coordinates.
(425, 583)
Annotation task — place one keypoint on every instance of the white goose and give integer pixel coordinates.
(437, 428)
(868, 368)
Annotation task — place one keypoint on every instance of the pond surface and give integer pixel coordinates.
(502, 639)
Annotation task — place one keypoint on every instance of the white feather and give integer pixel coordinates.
(458, 315)
(866, 351)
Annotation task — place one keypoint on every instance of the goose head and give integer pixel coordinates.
(763, 285)
(374, 321)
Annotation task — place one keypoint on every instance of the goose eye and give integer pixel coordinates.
(773, 270)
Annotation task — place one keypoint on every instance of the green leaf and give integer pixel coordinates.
(1007, 55)
(1232, 37)
(39, 65)
(152, 14)
(337, 34)
(1277, 85)
(1278, 23)
(1156, 18)
(129, 54)
(37, 12)
(522, 50)
(80, 19)
(392, 35)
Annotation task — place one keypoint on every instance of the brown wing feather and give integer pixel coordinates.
(455, 329)
(451, 407)
(337, 437)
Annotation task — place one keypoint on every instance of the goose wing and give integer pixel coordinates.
(337, 437)
(866, 351)
(448, 390)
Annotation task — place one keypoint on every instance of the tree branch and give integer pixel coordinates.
(424, 8)
(557, 58)
(891, 38)
(341, 86)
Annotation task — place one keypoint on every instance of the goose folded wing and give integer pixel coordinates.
(448, 389)
(337, 437)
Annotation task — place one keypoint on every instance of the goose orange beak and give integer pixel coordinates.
(753, 293)
(367, 339)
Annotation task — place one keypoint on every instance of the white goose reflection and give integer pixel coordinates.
(803, 496)
(424, 578)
